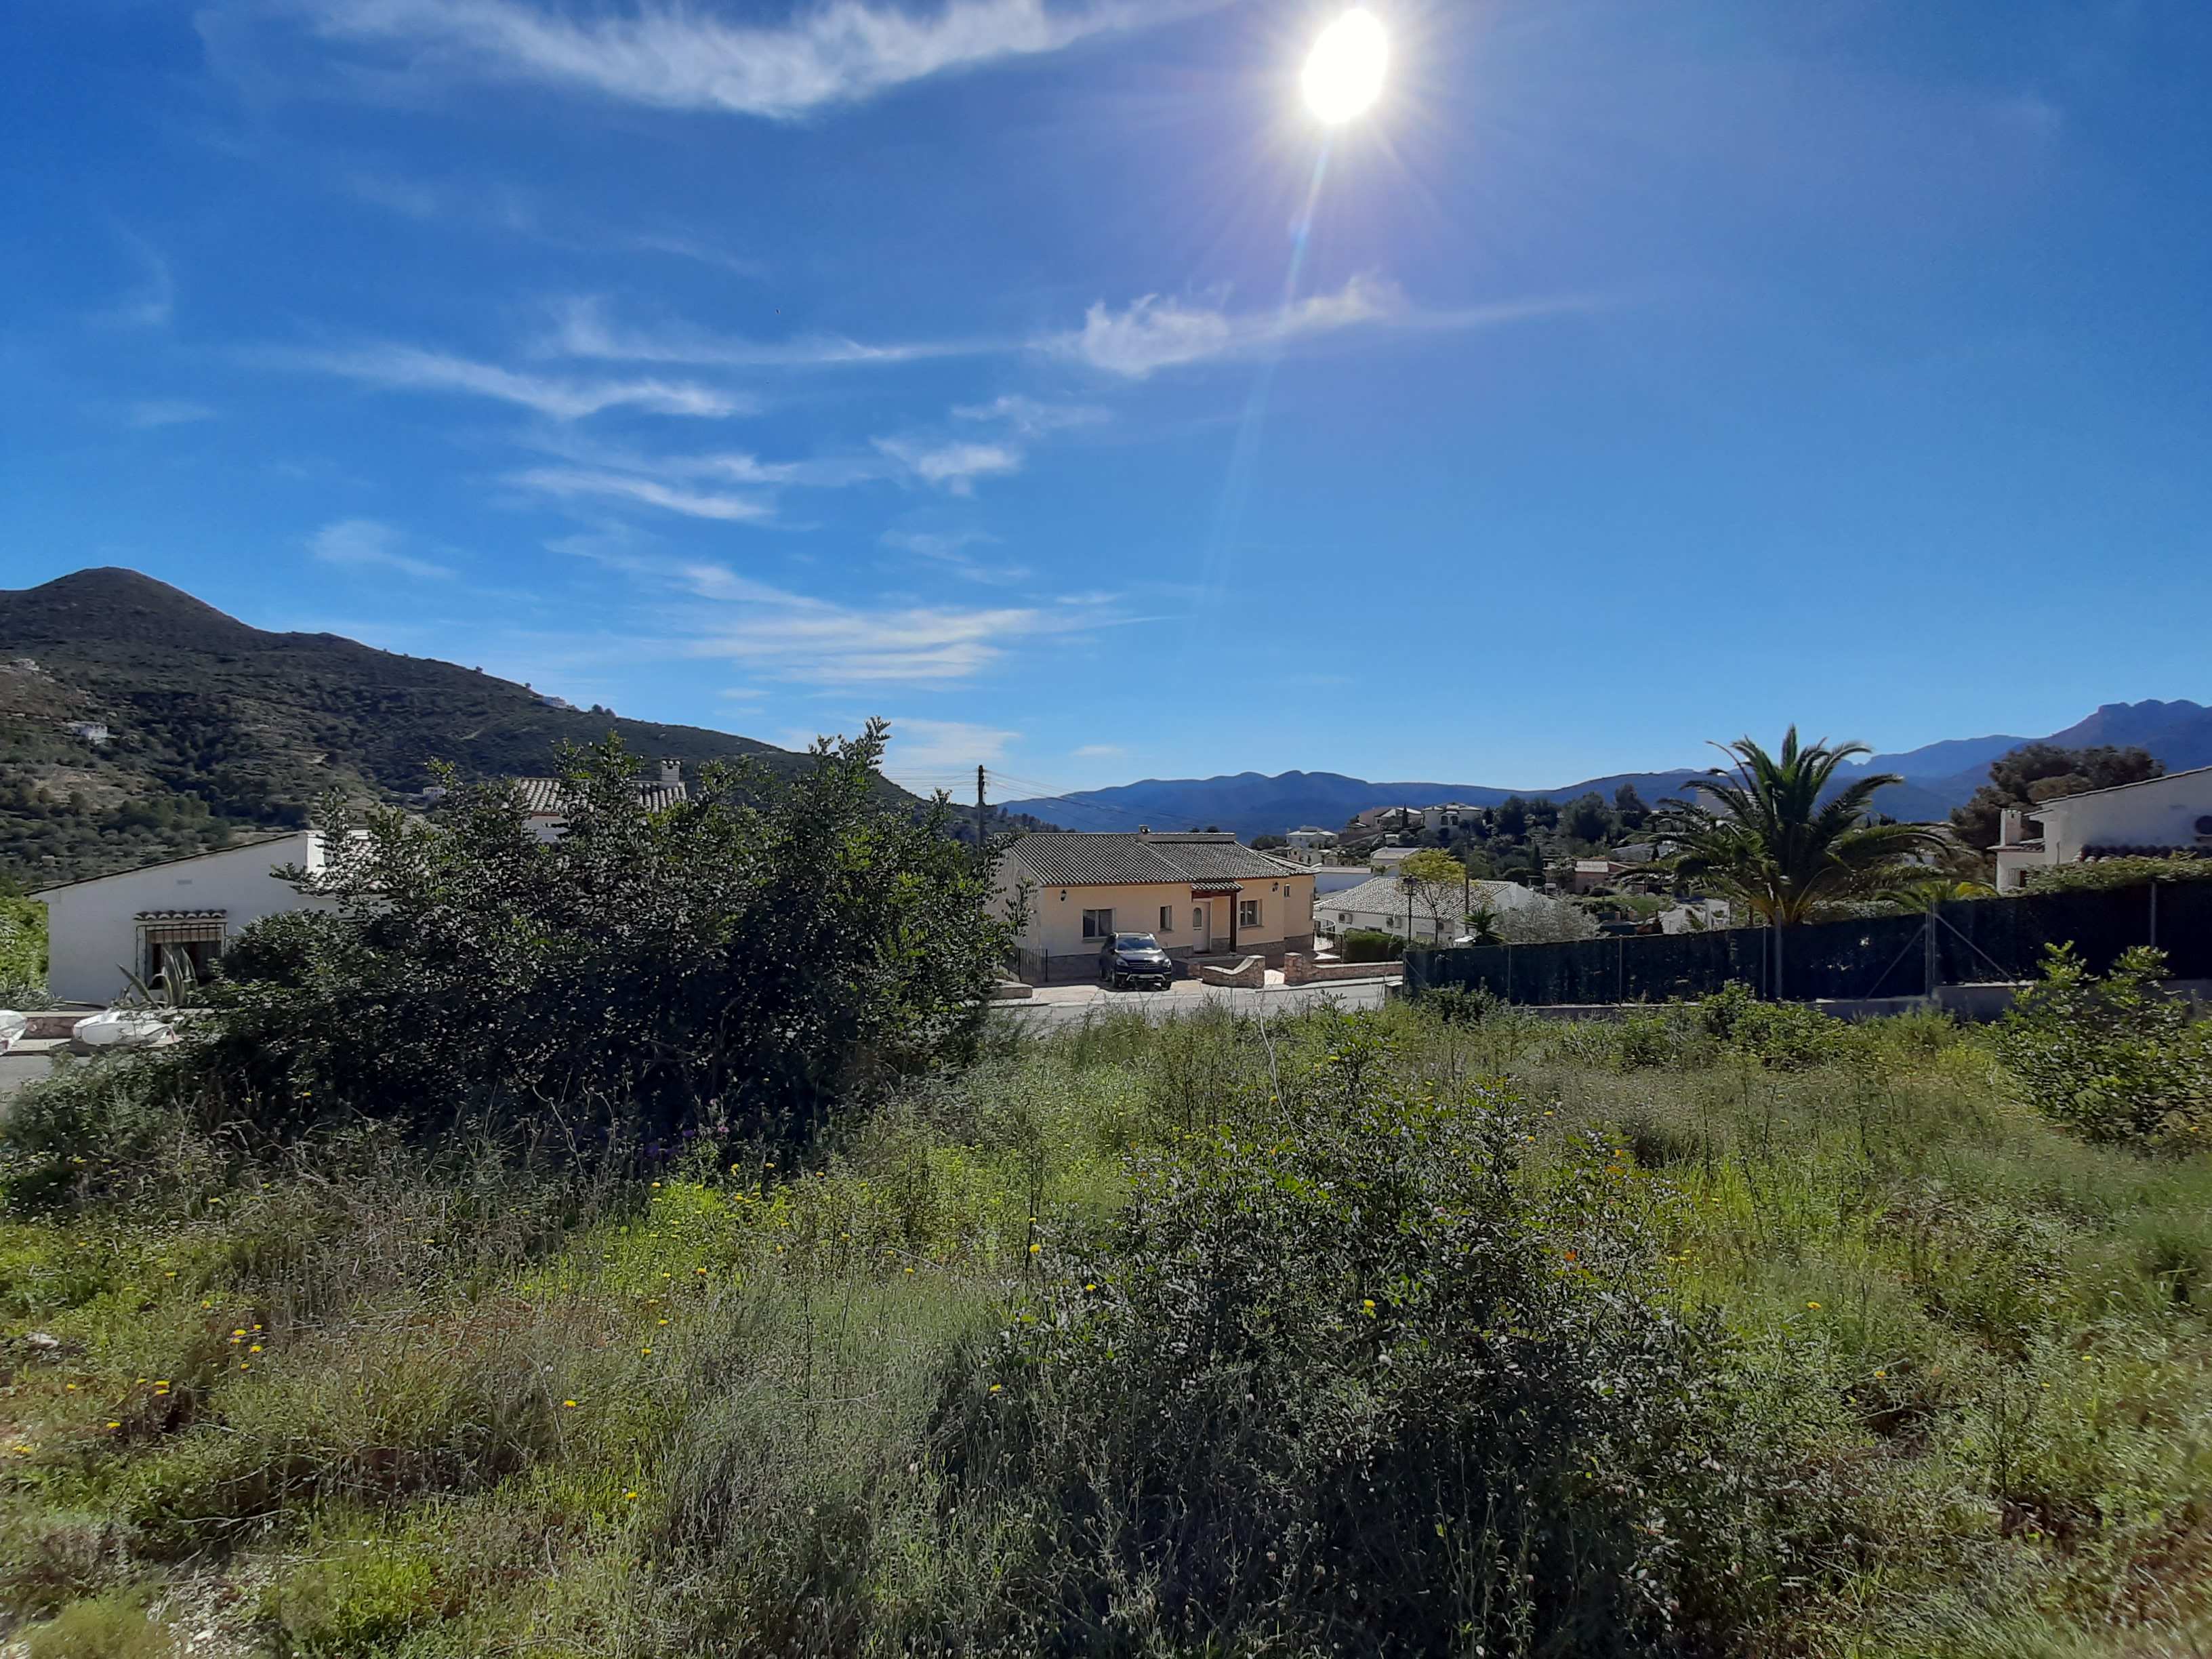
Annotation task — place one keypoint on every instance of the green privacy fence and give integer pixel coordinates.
(1974, 941)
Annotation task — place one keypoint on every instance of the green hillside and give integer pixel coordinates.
(217, 728)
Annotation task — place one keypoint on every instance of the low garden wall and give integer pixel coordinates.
(1301, 969)
(1249, 975)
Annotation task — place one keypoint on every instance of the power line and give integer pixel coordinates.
(1123, 812)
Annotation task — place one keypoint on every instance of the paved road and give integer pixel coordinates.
(20, 1066)
(1071, 1005)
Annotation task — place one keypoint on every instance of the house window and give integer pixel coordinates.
(1097, 924)
(1167, 918)
(1248, 913)
(1197, 920)
(1344, 918)
(186, 944)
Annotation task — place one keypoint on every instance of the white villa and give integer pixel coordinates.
(101, 930)
(2155, 818)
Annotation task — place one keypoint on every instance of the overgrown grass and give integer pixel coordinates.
(1936, 1377)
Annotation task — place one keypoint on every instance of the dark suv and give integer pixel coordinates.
(1129, 959)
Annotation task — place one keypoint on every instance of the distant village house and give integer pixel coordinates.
(1199, 895)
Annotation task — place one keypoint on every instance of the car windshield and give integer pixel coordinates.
(1135, 942)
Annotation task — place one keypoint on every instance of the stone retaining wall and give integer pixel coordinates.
(1299, 970)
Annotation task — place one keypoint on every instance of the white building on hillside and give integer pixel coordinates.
(2158, 817)
(1311, 837)
(105, 928)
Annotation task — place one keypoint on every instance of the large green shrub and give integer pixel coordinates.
(1785, 1036)
(1370, 944)
(731, 966)
(2113, 1058)
(1340, 1385)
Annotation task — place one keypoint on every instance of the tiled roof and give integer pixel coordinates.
(1102, 860)
(2090, 854)
(549, 797)
(1385, 896)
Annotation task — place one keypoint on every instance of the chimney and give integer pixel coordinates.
(2009, 820)
(671, 773)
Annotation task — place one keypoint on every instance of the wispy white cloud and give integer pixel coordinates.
(570, 482)
(779, 635)
(582, 328)
(951, 466)
(923, 753)
(675, 55)
(946, 544)
(729, 466)
(359, 543)
(776, 635)
(412, 368)
(151, 412)
(514, 211)
(1153, 333)
(1030, 416)
(1100, 752)
(948, 549)
(153, 300)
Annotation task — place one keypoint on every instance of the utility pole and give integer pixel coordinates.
(979, 820)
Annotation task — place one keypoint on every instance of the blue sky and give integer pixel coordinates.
(1043, 377)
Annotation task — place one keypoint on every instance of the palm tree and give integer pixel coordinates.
(1770, 842)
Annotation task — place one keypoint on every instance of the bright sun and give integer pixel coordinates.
(1344, 73)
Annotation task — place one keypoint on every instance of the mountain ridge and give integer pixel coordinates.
(1937, 775)
(217, 728)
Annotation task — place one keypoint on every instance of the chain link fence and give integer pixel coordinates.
(1965, 942)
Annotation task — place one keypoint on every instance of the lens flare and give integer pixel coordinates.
(1344, 72)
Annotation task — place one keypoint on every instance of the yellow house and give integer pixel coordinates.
(1198, 895)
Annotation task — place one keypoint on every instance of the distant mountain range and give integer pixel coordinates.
(1937, 777)
(214, 727)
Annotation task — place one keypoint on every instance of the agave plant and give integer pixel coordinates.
(1763, 835)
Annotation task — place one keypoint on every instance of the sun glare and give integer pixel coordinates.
(1344, 72)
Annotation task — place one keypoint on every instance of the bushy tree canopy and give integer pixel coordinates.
(736, 965)
(1628, 806)
(1586, 818)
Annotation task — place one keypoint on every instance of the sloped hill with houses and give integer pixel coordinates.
(137, 721)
